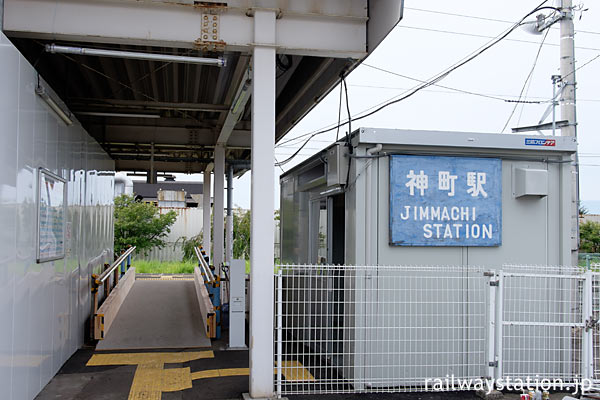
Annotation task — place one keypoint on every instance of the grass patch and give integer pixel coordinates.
(167, 267)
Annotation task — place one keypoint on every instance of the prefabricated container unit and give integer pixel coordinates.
(422, 198)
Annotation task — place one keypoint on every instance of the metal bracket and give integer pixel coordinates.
(493, 364)
(591, 323)
(494, 283)
(489, 273)
(210, 39)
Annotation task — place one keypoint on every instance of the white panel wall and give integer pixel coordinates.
(44, 307)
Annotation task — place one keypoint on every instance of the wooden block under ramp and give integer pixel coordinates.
(108, 311)
(207, 309)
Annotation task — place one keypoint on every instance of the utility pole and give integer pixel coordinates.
(568, 111)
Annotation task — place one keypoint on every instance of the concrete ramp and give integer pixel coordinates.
(157, 314)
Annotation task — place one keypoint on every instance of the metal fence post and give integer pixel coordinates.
(279, 328)
(587, 368)
(492, 321)
(499, 323)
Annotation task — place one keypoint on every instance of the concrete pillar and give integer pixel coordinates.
(229, 218)
(206, 197)
(218, 209)
(262, 234)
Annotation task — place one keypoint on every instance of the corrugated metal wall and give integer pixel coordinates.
(43, 307)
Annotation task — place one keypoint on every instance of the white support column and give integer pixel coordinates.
(262, 234)
(229, 217)
(219, 203)
(206, 196)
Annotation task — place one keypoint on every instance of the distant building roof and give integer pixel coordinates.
(589, 217)
(148, 190)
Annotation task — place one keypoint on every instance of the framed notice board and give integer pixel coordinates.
(51, 216)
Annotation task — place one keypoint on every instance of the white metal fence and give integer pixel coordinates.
(343, 329)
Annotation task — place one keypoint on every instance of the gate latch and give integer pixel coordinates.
(493, 364)
(590, 323)
(494, 283)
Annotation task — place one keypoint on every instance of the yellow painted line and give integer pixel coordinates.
(217, 373)
(294, 371)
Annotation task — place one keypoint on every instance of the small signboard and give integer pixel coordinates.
(51, 203)
(445, 201)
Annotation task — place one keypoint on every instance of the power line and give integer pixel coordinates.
(435, 79)
(453, 88)
(481, 18)
(493, 96)
(537, 56)
(487, 36)
(581, 66)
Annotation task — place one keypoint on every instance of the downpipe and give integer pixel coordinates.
(368, 200)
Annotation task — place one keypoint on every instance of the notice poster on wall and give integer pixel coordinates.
(445, 201)
(51, 216)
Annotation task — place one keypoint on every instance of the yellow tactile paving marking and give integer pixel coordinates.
(294, 371)
(151, 379)
(217, 373)
(146, 358)
(164, 278)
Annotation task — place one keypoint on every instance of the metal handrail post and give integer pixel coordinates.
(106, 281)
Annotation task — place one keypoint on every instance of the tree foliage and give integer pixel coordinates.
(589, 236)
(241, 234)
(140, 224)
(188, 245)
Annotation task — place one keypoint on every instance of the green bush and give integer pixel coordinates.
(140, 224)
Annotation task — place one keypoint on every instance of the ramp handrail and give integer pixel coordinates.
(204, 265)
(109, 284)
(104, 275)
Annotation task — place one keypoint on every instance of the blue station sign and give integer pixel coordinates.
(445, 201)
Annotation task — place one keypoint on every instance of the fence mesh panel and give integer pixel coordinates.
(349, 329)
(379, 329)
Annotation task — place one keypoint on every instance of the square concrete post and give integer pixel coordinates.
(218, 209)
(262, 204)
(206, 197)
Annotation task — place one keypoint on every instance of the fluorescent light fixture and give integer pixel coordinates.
(40, 91)
(123, 115)
(243, 93)
(55, 49)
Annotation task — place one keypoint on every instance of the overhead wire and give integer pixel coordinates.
(453, 88)
(439, 76)
(487, 36)
(337, 134)
(527, 80)
(480, 18)
(581, 66)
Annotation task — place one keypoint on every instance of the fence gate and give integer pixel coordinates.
(543, 319)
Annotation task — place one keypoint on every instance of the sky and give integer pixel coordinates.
(433, 35)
